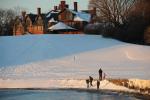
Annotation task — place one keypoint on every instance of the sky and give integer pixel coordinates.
(46, 5)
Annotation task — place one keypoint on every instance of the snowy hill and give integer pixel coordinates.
(71, 56)
(30, 48)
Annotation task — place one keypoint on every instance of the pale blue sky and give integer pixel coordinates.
(46, 5)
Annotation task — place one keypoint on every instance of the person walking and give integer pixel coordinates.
(87, 82)
(91, 80)
(104, 76)
(100, 74)
(98, 84)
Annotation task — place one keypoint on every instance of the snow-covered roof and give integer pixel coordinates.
(48, 15)
(52, 12)
(72, 11)
(60, 26)
(52, 20)
(77, 18)
(81, 16)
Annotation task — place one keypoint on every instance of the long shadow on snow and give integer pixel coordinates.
(32, 48)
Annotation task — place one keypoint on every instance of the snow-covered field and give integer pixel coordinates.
(42, 59)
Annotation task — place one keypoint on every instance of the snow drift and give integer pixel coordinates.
(62, 57)
(69, 83)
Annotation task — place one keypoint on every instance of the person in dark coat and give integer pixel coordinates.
(104, 76)
(91, 80)
(100, 74)
(98, 84)
(87, 82)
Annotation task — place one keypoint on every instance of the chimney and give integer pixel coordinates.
(94, 11)
(63, 3)
(59, 7)
(39, 11)
(23, 14)
(75, 6)
(67, 6)
(55, 8)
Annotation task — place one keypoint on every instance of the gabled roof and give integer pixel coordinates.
(60, 26)
(79, 16)
(20, 19)
(41, 15)
(52, 14)
(69, 10)
(32, 17)
(52, 20)
(72, 11)
(82, 16)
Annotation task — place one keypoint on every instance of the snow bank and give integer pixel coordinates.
(68, 83)
(49, 60)
(139, 84)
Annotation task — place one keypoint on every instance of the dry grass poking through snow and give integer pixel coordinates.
(143, 86)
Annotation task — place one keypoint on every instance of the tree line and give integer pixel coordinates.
(7, 17)
(126, 20)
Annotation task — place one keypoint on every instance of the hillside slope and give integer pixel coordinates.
(71, 57)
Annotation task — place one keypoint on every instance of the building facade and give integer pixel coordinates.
(39, 23)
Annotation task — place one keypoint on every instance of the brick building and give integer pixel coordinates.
(39, 23)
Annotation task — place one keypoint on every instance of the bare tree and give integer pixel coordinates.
(18, 10)
(114, 11)
(142, 8)
(6, 19)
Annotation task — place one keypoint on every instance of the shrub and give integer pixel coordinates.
(147, 36)
(94, 28)
(108, 30)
